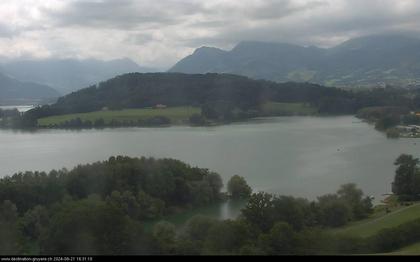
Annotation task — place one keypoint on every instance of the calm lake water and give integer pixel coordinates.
(299, 156)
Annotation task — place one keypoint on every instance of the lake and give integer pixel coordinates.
(299, 156)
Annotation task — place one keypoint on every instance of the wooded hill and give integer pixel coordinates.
(221, 97)
(136, 90)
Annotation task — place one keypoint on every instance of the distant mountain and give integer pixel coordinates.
(364, 61)
(14, 91)
(67, 75)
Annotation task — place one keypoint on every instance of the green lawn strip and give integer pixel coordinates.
(176, 114)
(379, 221)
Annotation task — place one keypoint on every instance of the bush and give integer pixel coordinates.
(391, 239)
(198, 119)
(157, 121)
(393, 133)
(238, 187)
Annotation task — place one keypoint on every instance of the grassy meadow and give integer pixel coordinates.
(177, 115)
(381, 220)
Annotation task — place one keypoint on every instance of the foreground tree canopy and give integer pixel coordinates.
(102, 209)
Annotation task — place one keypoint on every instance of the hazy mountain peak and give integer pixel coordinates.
(208, 50)
(391, 41)
(259, 44)
(14, 90)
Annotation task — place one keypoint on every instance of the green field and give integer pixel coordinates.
(407, 251)
(177, 115)
(380, 220)
(287, 109)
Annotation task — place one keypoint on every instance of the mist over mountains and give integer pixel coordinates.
(67, 75)
(361, 62)
(365, 61)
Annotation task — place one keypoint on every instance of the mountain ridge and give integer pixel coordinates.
(68, 75)
(12, 90)
(364, 61)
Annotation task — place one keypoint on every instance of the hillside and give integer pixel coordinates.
(222, 98)
(12, 91)
(68, 75)
(136, 90)
(381, 220)
(365, 61)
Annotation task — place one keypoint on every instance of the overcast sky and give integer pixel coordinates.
(159, 32)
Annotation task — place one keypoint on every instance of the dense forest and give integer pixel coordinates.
(145, 90)
(101, 209)
(221, 97)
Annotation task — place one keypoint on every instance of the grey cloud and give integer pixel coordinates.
(7, 32)
(168, 29)
(355, 18)
(140, 38)
(122, 14)
(275, 9)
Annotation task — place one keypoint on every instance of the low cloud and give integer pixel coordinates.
(158, 33)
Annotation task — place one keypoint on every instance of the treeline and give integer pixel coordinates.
(156, 121)
(100, 209)
(401, 108)
(9, 118)
(222, 97)
(170, 183)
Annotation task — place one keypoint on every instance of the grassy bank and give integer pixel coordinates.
(407, 251)
(381, 220)
(177, 115)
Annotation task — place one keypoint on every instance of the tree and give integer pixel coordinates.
(197, 228)
(150, 207)
(291, 210)
(34, 222)
(127, 202)
(238, 187)
(407, 177)
(281, 240)
(198, 120)
(258, 211)
(333, 212)
(9, 232)
(98, 123)
(226, 237)
(361, 206)
(90, 227)
(165, 235)
(216, 184)
(387, 122)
